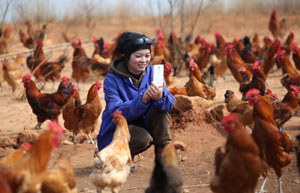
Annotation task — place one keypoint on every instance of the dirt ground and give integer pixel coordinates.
(197, 163)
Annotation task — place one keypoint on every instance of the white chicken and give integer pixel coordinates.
(113, 163)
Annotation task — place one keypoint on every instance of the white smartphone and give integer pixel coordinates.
(158, 74)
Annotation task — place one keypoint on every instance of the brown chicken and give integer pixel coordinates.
(274, 145)
(195, 87)
(258, 81)
(287, 108)
(288, 44)
(69, 112)
(296, 56)
(46, 106)
(38, 58)
(87, 114)
(241, 108)
(112, 164)
(239, 167)
(4, 41)
(79, 73)
(255, 45)
(13, 71)
(276, 27)
(60, 178)
(166, 177)
(26, 175)
(203, 56)
(288, 80)
(236, 65)
(27, 41)
(15, 157)
(270, 51)
(170, 80)
(285, 63)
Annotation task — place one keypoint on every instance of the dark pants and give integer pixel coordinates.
(141, 139)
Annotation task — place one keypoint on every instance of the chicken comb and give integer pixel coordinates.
(79, 42)
(74, 44)
(230, 117)
(10, 28)
(168, 66)
(26, 77)
(294, 45)
(74, 86)
(192, 64)
(158, 30)
(27, 144)
(295, 88)
(217, 33)
(229, 46)
(266, 38)
(256, 65)
(198, 39)
(291, 35)
(55, 127)
(251, 92)
(98, 83)
(235, 40)
(116, 113)
(277, 42)
(269, 91)
(64, 78)
(94, 38)
(4, 63)
(40, 42)
(280, 53)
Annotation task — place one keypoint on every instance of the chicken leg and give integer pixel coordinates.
(262, 186)
(279, 185)
(91, 139)
(38, 126)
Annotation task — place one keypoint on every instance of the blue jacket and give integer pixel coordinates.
(121, 94)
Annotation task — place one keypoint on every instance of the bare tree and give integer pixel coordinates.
(6, 7)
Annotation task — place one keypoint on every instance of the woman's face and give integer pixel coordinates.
(138, 61)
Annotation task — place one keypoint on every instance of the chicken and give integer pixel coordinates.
(242, 109)
(287, 46)
(276, 27)
(60, 178)
(175, 53)
(166, 177)
(46, 106)
(298, 152)
(270, 50)
(36, 34)
(178, 91)
(78, 72)
(236, 64)
(15, 157)
(258, 81)
(284, 61)
(26, 175)
(170, 80)
(27, 41)
(287, 108)
(296, 56)
(5, 40)
(69, 112)
(113, 163)
(274, 145)
(239, 166)
(86, 114)
(203, 56)
(218, 63)
(288, 80)
(195, 87)
(13, 71)
(255, 46)
(38, 58)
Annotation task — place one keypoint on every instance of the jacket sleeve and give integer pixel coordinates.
(166, 102)
(131, 109)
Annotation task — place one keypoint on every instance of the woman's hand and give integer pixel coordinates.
(155, 92)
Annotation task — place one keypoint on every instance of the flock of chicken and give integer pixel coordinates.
(239, 163)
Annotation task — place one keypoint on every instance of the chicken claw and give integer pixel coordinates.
(262, 186)
(91, 139)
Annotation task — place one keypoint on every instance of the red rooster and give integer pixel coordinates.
(46, 106)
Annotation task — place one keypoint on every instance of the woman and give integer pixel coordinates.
(128, 87)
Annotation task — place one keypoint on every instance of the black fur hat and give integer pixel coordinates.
(130, 42)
